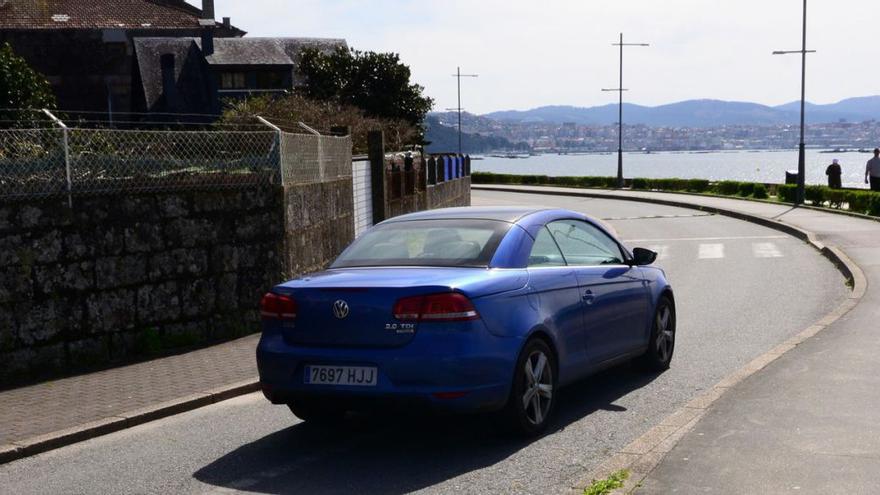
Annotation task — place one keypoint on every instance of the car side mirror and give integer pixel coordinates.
(642, 256)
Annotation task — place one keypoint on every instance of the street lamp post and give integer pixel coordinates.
(620, 90)
(458, 75)
(802, 168)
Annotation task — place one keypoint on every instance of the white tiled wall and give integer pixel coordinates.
(363, 196)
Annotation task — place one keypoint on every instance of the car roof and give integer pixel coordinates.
(510, 214)
(529, 218)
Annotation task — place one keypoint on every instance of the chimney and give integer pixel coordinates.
(208, 9)
(207, 22)
(207, 41)
(227, 23)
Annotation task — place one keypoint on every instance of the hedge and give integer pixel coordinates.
(867, 202)
(729, 188)
(859, 201)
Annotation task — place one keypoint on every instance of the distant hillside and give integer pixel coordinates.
(444, 139)
(699, 113)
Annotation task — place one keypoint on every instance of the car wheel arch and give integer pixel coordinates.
(545, 335)
(667, 292)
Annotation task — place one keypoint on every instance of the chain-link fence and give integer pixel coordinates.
(40, 162)
(313, 158)
(32, 162)
(139, 161)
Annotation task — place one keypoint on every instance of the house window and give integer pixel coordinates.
(233, 80)
(270, 80)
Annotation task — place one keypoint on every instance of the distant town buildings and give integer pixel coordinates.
(569, 137)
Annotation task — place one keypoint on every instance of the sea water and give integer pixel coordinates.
(751, 166)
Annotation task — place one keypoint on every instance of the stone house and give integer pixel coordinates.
(194, 75)
(86, 48)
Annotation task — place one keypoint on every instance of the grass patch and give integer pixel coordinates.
(613, 482)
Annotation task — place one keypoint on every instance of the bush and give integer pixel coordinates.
(565, 181)
(600, 182)
(482, 178)
(697, 185)
(760, 191)
(21, 87)
(641, 184)
(746, 189)
(727, 187)
(859, 201)
(815, 194)
(786, 192)
(322, 115)
(874, 205)
(835, 197)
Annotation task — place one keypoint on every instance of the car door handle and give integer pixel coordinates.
(588, 297)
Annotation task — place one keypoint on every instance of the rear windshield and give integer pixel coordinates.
(459, 242)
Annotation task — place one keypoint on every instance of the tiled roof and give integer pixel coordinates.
(190, 61)
(98, 14)
(266, 51)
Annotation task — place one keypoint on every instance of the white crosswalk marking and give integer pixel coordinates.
(766, 250)
(662, 252)
(711, 251)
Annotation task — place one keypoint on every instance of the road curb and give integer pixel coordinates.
(646, 452)
(61, 438)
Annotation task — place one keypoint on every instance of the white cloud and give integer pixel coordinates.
(531, 53)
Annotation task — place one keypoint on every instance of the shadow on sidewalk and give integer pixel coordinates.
(398, 454)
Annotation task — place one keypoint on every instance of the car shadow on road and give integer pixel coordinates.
(398, 454)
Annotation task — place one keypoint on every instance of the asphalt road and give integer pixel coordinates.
(740, 290)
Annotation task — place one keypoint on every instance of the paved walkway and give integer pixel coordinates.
(41, 409)
(809, 422)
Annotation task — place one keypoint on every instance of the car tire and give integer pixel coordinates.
(534, 389)
(662, 343)
(316, 415)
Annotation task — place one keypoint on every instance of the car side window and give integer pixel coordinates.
(584, 245)
(545, 252)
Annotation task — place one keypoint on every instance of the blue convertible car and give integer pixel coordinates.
(465, 309)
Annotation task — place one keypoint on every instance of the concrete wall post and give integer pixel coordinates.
(376, 154)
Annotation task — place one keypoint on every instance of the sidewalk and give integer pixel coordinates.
(807, 422)
(51, 414)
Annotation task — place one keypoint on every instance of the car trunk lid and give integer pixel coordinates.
(354, 307)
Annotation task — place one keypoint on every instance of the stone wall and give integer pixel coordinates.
(318, 224)
(407, 191)
(124, 275)
(456, 192)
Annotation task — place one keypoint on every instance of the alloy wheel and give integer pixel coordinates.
(665, 333)
(538, 395)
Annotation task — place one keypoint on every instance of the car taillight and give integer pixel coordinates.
(450, 306)
(277, 307)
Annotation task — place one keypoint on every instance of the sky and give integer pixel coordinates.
(558, 52)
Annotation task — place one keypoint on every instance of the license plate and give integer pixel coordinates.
(365, 376)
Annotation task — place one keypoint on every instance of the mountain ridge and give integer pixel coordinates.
(698, 113)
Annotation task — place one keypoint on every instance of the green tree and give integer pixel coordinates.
(378, 83)
(21, 87)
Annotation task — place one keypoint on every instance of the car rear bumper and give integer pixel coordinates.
(446, 370)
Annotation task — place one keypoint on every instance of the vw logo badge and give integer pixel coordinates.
(340, 309)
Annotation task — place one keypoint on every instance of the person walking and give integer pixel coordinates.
(833, 172)
(872, 171)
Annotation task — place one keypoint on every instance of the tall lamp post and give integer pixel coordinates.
(458, 75)
(620, 90)
(799, 199)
